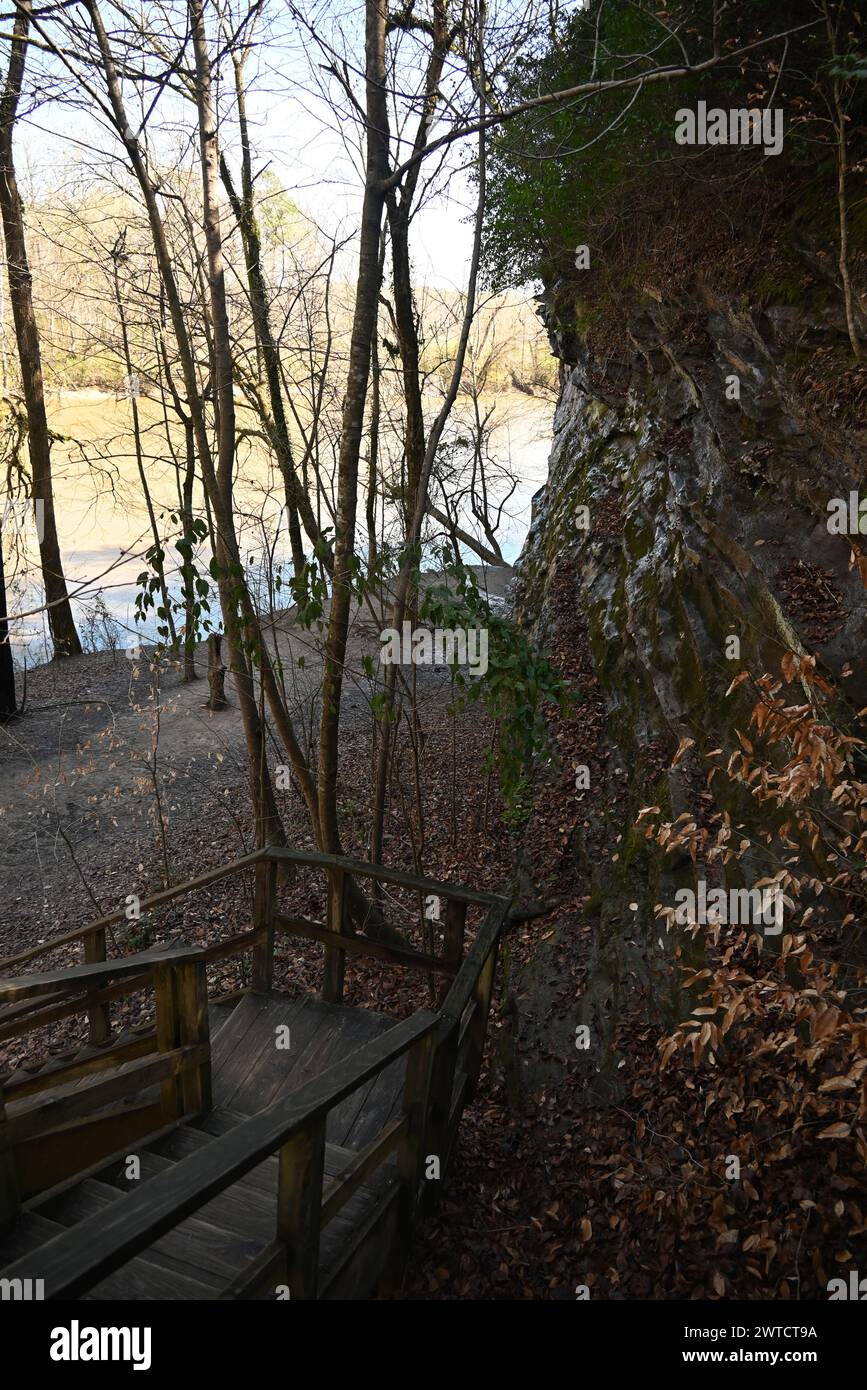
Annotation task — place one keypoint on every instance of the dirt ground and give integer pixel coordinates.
(104, 740)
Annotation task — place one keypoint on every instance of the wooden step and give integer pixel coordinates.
(206, 1251)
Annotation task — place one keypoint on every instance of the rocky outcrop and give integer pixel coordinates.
(687, 507)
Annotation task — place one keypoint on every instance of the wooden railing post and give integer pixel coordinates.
(453, 943)
(10, 1201)
(191, 1000)
(263, 921)
(171, 1103)
(478, 1025)
(299, 1206)
(335, 920)
(412, 1153)
(438, 1136)
(98, 1015)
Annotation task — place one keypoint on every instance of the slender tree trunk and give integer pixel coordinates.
(373, 457)
(185, 485)
(842, 209)
(60, 619)
(8, 703)
(187, 569)
(399, 214)
(403, 587)
(410, 353)
(354, 401)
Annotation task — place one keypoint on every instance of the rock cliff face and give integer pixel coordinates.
(706, 468)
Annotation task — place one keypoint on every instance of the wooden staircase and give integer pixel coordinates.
(198, 1158)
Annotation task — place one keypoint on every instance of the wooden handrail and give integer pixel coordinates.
(74, 1261)
(84, 977)
(362, 945)
(486, 939)
(360, 868)
(452, 892)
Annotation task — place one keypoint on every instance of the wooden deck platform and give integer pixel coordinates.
(250, 1071)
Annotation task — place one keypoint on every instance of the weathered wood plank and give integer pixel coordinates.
(370, 1254)
(274, 1069)
(49, 1159)
(232, 946)
(380, 1103)
(191, 1001)
(196, 1248)
(230, 1038)
(439, 1137)
(465, 982)
(261, 1275)
(411, 1154)
(454, 932)
(167, 1039)
(251, 1072)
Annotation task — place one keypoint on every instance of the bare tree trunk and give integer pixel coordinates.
(842, 210)
(185, 488)
(8, 703)
(60, 619)
(373, 456)
(187, 568)
(406, 322)
(354, 401)
(404, 579)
